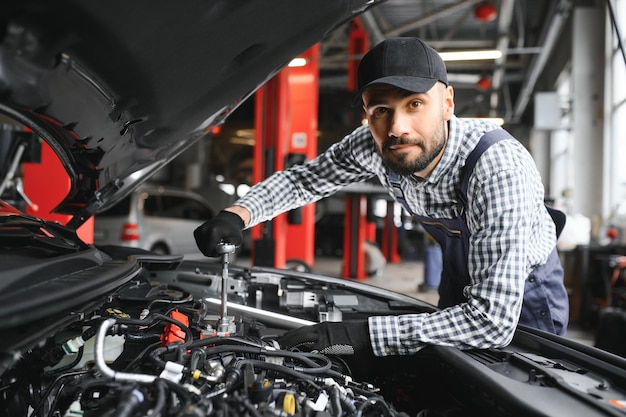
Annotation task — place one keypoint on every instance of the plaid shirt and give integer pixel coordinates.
(511, 231)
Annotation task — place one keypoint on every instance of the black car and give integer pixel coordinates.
(118, 89)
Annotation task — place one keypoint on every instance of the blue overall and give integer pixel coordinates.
(545, 304)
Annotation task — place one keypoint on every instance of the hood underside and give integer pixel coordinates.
(119, 88)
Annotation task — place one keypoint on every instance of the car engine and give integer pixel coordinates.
(118, 332)
(152, 348)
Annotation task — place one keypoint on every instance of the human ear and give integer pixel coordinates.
(448, 102)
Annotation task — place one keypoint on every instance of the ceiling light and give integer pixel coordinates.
(471, 55)
(463, 78)
(297, 62)
(497, 120)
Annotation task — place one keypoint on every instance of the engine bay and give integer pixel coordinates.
(155, 348)
(158, 345)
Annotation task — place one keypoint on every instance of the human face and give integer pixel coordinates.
(410, 129)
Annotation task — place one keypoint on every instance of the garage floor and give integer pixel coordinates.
(405, 277)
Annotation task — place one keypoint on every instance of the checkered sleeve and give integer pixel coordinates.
(506, 216)
(345, 162)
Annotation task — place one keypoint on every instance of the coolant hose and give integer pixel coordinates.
(102, 365)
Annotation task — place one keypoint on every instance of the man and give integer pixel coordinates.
(485, 208)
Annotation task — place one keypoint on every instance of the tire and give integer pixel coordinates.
(298, 265)
(160, 249)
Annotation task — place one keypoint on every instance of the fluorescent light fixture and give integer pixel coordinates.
(471, 55)
(460, 78)
(298, 62)
(497, 120)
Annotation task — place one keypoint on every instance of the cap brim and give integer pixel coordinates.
(414, 84)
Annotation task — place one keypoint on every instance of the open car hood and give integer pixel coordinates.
(119, 88)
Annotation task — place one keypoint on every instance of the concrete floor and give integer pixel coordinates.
(405, 277)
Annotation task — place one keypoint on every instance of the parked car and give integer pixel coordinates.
(155, 218)
(118, 89)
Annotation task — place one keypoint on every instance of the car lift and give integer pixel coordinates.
(286, 110)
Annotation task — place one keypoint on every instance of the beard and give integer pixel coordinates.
(404, 164)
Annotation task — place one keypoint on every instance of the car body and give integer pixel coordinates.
(118, 89)
(156, 218)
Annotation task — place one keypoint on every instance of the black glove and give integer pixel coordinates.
(331, 338)
(225, 227)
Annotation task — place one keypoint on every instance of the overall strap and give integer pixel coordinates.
(484, 143)
(394, 180)
(488, 139)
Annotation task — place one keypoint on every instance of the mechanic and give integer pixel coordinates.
(497, 236)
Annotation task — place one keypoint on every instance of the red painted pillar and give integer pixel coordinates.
(358, 44)
(389, 241)
(355, 231)
(302, 146)
(271, 131)
(286, 133)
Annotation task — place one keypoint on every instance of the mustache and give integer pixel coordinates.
(393, 141)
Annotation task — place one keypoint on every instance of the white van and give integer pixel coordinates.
(155, 218)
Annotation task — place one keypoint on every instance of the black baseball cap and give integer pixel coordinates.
(404, 62)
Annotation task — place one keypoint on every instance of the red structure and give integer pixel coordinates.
(358, 45)
(46, 184)
(357, 227)
(286, 134)
(286, 109)
(355, 233)
(389, 240)
(485, 12)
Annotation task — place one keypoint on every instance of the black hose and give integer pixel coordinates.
(347, 403)
(373, 402)
(335, 402)
(160, 398)
(274, 367)
(177, 389)
(51, 387)
(305, 357)
(129, 402)
(141, 355)
(155, 319)
(197, 357)
(223, 340)
(61, 369)
(89, 333)
(248, 405)
(155, 355)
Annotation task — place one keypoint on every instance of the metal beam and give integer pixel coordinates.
(504, 22)
(554, 28)
(426, 19)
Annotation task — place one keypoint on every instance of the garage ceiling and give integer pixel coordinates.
(525, 31)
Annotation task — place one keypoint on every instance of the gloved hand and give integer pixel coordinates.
(226, 227)
(331, 338)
